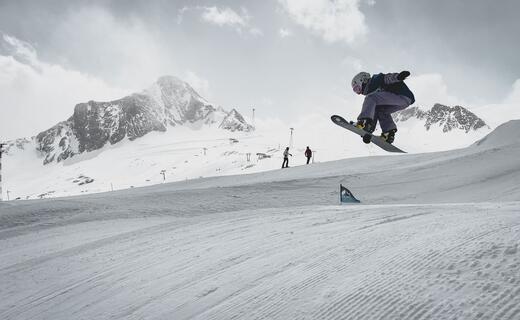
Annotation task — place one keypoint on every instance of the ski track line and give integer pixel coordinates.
(502, 295)
(367, 302)
(70, 252)
(304, 285)
(505, 305)
(360, 297)
(340, 268)
(88, 247)
(285, 293)
(211, 274)
(352, 299)
(458, 288)
(317, 275)
(515, 314)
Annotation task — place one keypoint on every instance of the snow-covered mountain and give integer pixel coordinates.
(168, 103)
(446, 117)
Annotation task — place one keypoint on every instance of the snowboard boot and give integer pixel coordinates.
(389, 135)
(366, 124)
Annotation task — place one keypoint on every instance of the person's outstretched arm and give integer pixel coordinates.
(390, 78)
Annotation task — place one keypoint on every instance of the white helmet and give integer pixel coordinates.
(359, 80)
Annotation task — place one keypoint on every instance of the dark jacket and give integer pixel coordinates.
(388, 82)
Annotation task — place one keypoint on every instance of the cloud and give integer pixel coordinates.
(256, 32)
(180, 14)
(20, 50)
(510, 107)
(514, 95)
(224, 17)
(507, 109)
(198, 83)
(334, 21)
(430, 89)
(352, 63)
(35, 95)
(284, 33)
(126, 52)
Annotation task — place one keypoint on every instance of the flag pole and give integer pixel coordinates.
(1, 151)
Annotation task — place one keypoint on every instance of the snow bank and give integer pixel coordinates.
(505, 134)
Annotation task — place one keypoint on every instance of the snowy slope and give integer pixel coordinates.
(436, 237)
(192, 151)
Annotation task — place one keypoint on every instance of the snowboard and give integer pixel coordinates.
(367, 137)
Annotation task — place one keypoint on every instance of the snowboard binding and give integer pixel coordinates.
(381, 142)
(367, 138)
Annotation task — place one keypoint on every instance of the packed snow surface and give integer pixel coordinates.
(436, 237)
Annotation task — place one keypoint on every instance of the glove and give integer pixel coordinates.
(403, 75)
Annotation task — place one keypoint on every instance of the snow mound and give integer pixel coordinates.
(505, 134)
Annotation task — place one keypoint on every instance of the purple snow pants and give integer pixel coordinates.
(380, 105)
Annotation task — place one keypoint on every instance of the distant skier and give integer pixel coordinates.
(286, 155)
(308, 154)
(385, 94)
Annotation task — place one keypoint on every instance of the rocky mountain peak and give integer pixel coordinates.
(17, 144)
(169, 102)
(449, 118)
(173, 87)
(235, 122)
(171, 83)
(455, 117)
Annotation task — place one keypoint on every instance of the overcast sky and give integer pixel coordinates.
(286, 58)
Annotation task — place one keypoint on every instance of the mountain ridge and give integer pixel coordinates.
(449, 118)
(169, 102)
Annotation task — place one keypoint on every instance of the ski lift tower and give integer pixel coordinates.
(163, 172)
(291, 139)
(1, 151)
(253, 119)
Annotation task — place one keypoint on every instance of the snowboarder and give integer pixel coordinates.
(308, 154)
(385, 94)
(286, 155)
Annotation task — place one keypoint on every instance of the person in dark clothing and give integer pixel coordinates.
(286, 155)
(308, 154)
(385, 94)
